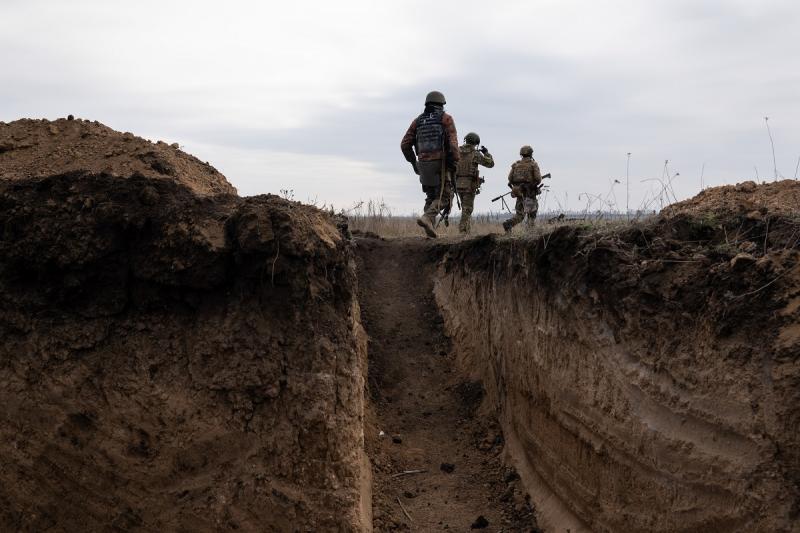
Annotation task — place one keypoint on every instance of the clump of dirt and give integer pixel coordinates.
(173, 361)
(647, 377)
(40, 148)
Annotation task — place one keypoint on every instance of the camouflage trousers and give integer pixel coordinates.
(467, 205)
(526, 205)
(433, 206)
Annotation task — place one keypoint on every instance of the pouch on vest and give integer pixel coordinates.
(466, 164)
(429, 172)
(522, 172)
(430, 132)
(465, 183)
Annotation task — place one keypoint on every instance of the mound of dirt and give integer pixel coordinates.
(40, 148)
(781, 198)
(647, 377)
(172, 361)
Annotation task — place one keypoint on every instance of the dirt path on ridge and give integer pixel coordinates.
(426, 412)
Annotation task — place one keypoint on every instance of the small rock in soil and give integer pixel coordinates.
(447, 467)
(511, 475)
(480, 523)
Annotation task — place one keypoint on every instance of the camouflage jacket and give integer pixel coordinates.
(451, 142)
(471, 157)
(526, 170)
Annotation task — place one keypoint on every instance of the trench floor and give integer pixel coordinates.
(423, 415)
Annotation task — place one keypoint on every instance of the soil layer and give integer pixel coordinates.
(176, 362)
(647, 377)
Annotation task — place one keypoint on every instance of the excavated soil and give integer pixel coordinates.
(425, 419)
(780, 198)
(647, 378)
(175, 361)
(41, 148)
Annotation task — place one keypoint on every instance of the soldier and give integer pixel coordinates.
(524, 180)
(433, 137)
(467, 176)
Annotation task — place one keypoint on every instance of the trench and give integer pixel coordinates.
(567, 396)
(437, 459)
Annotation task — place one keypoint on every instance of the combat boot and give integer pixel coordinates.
(507, 226)
(427, 226)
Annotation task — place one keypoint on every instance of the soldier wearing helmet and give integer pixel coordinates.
(431, 146)
(468, 179)
(524, 179)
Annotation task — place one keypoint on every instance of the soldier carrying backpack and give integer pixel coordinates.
(524, 179)
(432, 135)
(468, 180)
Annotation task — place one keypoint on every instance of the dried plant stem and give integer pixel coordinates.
(404, 510)
(628, 187)
(408, 473)
(772, 143)
(702, 172)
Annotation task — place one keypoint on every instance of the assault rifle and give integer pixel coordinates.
(444, 214)
(538, 189)
(540, 186)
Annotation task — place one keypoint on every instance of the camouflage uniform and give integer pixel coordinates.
(467, 180)
(432, 135)
(524, 180)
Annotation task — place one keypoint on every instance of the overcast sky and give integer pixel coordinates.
(315, 96)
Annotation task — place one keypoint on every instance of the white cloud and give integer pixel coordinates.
(276, 93)
(319, 179)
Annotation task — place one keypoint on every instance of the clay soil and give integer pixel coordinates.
(424, 416)
(171, 359)
(41, 148)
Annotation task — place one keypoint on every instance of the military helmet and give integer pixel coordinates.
(435, 97)
(472, 138)
(526, 151)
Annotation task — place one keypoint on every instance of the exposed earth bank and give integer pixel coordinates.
(647, 378)
(173, 358)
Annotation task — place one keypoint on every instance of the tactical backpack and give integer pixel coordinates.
(467, 169)
(430, 132)
(522, 172)
(467, 166)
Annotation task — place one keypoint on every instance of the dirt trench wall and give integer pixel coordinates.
(171, 362)
(636, 392)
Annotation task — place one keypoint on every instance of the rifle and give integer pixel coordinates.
(539, 188)
(444, 214)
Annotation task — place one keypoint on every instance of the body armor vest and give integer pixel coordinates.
(467, 166)
(430, 132)
(523, 172)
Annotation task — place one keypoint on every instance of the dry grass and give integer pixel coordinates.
(376, 217)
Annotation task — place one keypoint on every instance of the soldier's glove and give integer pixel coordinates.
(516, 191)
(484, 150)
(414, 165)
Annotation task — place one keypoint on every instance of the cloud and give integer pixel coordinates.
(271, 92)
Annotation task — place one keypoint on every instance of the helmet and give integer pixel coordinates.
(472, 138)
(435, 97)
(526, 151)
